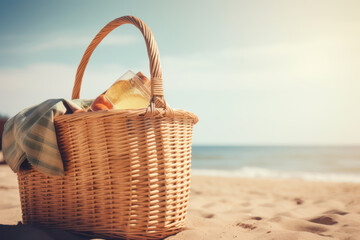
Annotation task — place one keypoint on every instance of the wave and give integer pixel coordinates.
(251, 172)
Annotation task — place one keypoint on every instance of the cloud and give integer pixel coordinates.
(313, 61)
(54, 42)
(303, 92)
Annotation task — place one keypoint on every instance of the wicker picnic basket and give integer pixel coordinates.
(127, 172)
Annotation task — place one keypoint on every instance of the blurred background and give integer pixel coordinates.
(275, 83)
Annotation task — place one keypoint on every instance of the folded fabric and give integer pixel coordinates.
(31, 135)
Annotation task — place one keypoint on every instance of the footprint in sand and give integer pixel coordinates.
(299, 225)
(246, 226)
(313, 229)
(298, 201)
(207, 215)
(307, 227)
(325, 235)
(335, 211)
(324, 220)
(196, 192)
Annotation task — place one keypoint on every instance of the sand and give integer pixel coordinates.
(234, 208)
(229, 208)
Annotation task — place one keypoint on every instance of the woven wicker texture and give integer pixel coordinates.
(127, 172)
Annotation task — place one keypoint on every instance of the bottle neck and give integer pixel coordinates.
(142, 83)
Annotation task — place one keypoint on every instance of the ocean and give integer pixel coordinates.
(337, 164)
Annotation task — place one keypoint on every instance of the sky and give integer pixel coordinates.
(255, 72)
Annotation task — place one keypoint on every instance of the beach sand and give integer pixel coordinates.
(234, 208)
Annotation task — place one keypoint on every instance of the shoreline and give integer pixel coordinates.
(263, 173)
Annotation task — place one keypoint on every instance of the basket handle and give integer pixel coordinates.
(157, 95)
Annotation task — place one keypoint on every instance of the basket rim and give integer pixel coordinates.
(126, 113)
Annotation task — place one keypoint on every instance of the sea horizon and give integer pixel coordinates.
(335, 163)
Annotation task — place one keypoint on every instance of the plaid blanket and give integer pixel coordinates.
(31, 135)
